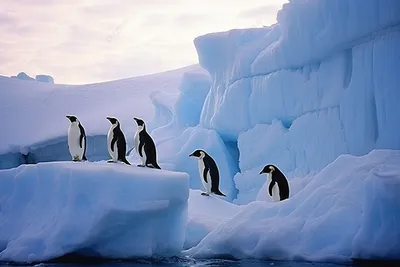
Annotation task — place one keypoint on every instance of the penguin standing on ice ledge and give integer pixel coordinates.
(278, 186)
(116, 142)
(144, 146)
(209, 174)
(76, 139)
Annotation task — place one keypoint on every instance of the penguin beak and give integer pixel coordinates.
(68, 117)
(109, 119)
(191, 155)
(261, 172)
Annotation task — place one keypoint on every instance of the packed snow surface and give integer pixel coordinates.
(348, 210)
(205, 214)
(102, 209)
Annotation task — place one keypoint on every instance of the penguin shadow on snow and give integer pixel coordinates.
(278, 185)
(209, 174)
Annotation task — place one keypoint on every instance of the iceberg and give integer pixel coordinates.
(105, 210)
(318, 84)
(30, 107)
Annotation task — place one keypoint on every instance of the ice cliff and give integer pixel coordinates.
(321, 82)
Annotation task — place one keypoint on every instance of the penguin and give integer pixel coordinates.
(116, 142)
(76, 139)
(209, 174)
(278, 186)
(144, 146)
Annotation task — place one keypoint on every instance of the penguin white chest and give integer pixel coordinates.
(74, 134)
(207, 185)
(275, 189)
(110, 136)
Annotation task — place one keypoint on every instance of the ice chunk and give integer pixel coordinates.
(193, 91)
(386, 80)
(44, 78)
(23, 76)
(321, 28)
(107, 210)
(174, 155)
(350, 209)
(205, 214)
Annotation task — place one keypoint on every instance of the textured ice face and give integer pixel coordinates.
(115, 211)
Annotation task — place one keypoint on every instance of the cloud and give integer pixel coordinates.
(91, 41)
(193, 19)
(260, 12)
(7, 18)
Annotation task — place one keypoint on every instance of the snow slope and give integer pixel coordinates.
(35, 112)
(107, 210)
(205, 214)
(348, 210)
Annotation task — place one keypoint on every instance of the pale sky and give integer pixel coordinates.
(86, 41)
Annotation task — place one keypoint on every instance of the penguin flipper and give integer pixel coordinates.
(83, 135)
(113, 142)
(141, 144)
(205, 174)
(214, 175)
(271, 185)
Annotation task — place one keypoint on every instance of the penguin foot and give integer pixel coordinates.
(110, 161)
(75, 158)
(205, 194)
(140, 165)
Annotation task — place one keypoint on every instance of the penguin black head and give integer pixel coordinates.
(269, 168)
(71, 118)
(198, 153)
(139, 122)
(112, 120)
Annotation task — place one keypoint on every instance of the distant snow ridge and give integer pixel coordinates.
(32, 107)
(23, 76)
